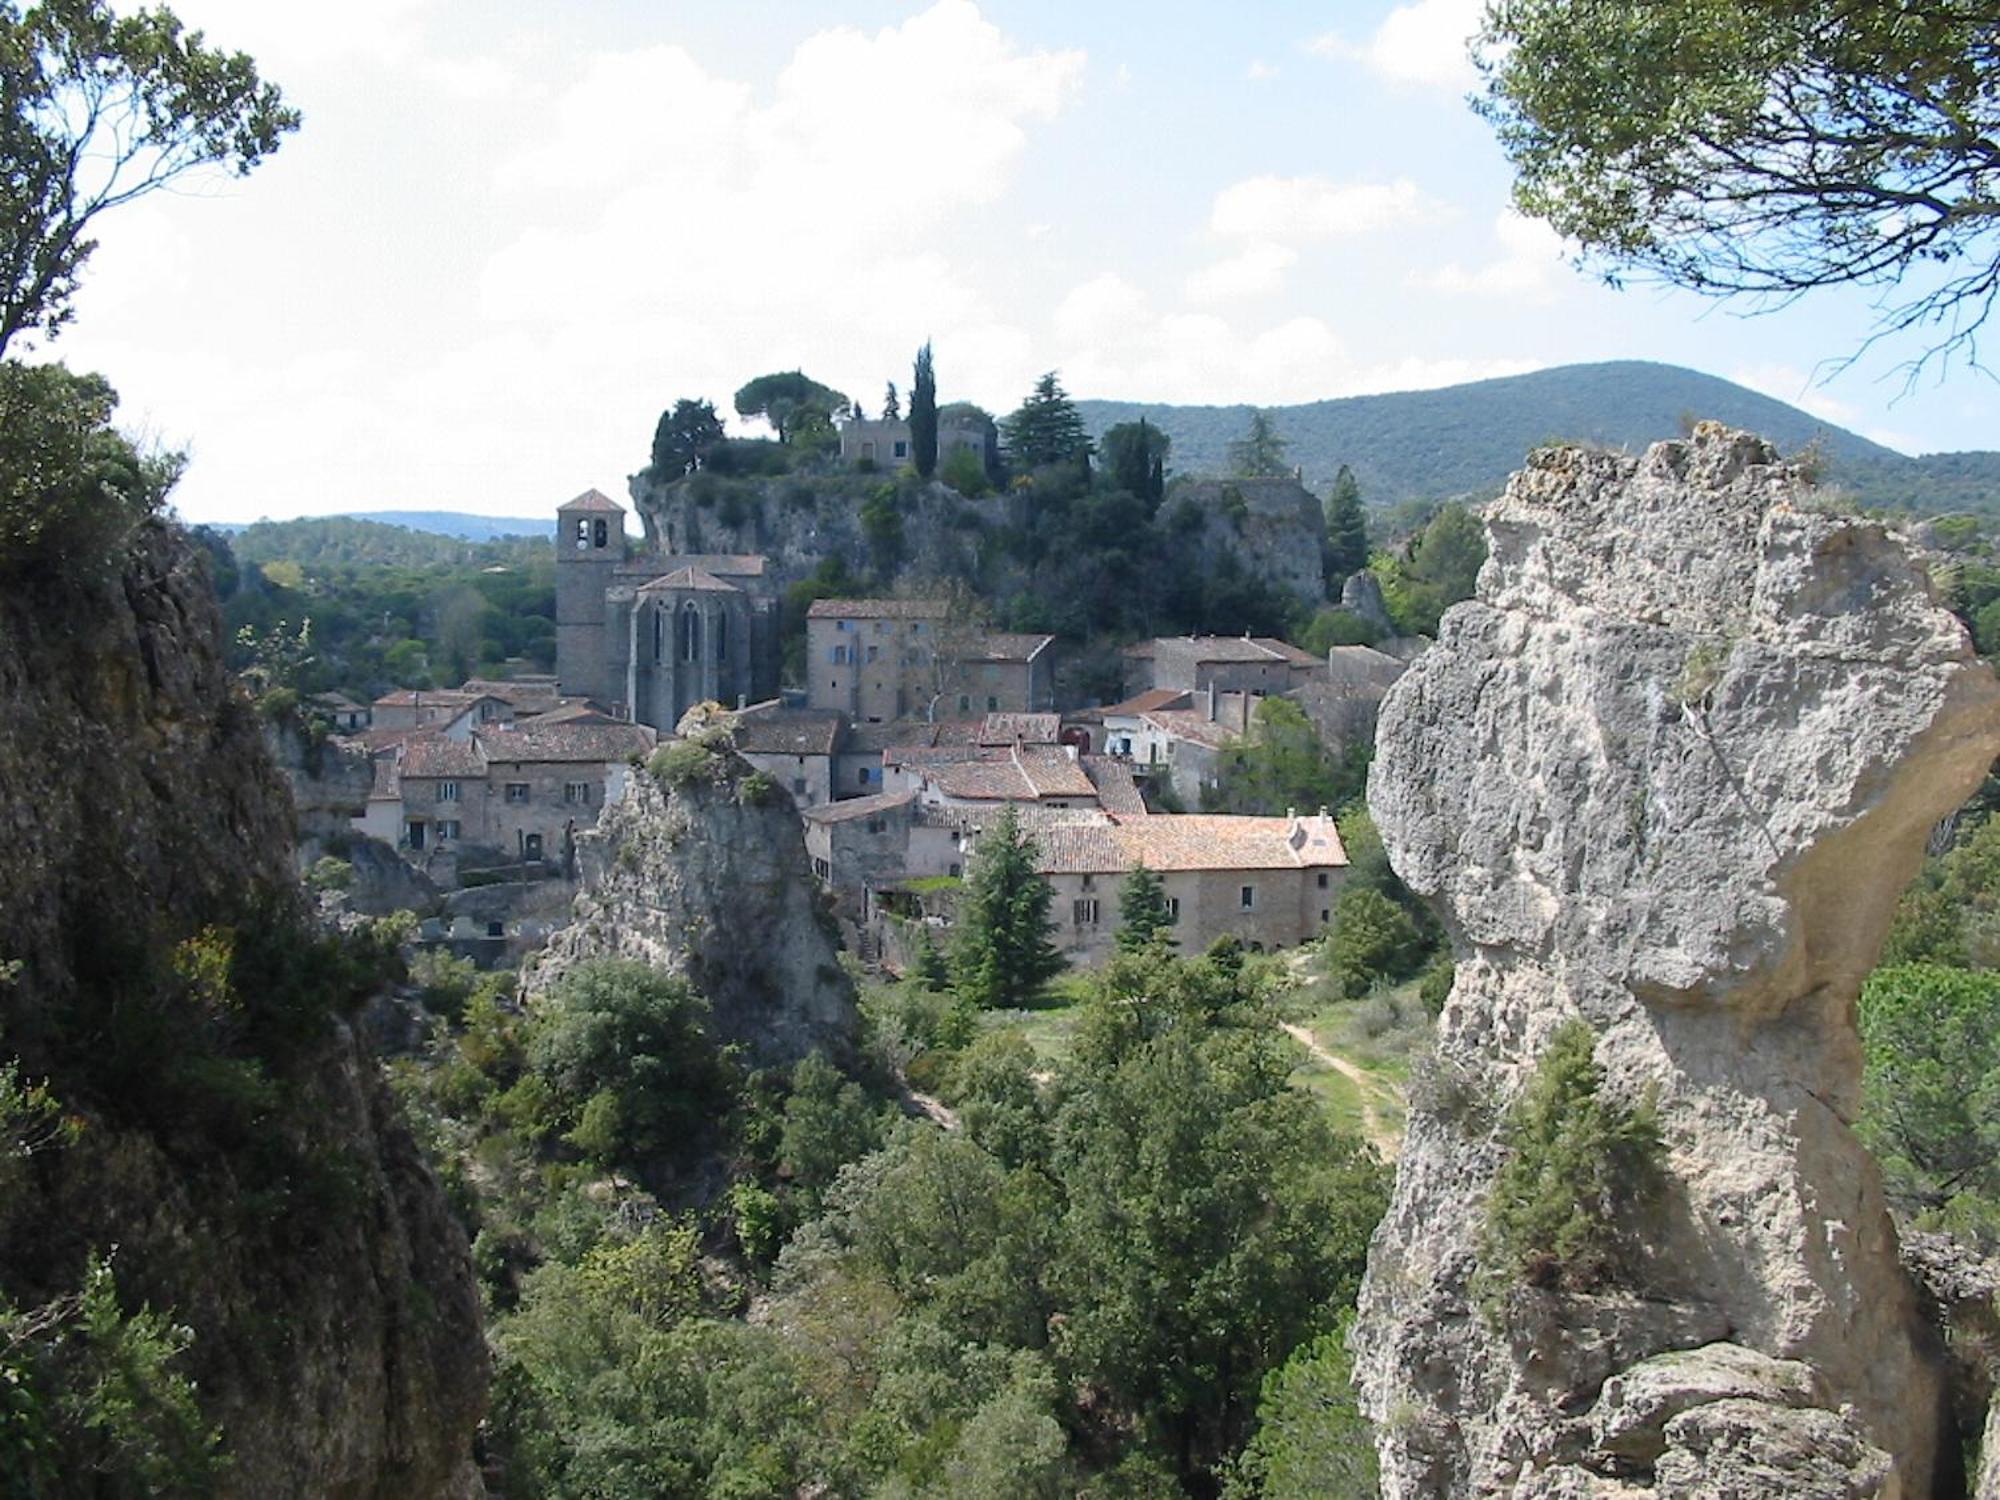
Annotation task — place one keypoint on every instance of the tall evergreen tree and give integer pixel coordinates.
(1346, 527)
(1143, 914)
(924, 414)
(1260, 452)
(892, 406)
(1133, 453)
(1045, 429)
(1003, 956)
(1157, 490)
(682, 439)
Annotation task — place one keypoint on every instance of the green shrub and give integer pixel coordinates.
(758, 790)
(964, 472)
(682, 763)
(330, 874)
(1578, 1163)
(1373, 938)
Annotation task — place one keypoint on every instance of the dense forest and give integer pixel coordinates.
(1465, 440)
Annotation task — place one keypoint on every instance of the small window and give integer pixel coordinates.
(517, 791)
(902, 449)
(576, 793)
(447, 791)
(1083, 911)
(821, 868)
(1249, 897)
(1323, 914)
(861, 776)
(1090, 882)
(964, 704)
(601, 533)
(532, 846)
(873, 652)
(583, 531)
(1322, 880)
(878, 825)
(496, 929)
(918, 627)
(415, 831)
(843, 625)
(954, 871)
(880, 627)
(992, 705)
(1173, 908)
(798, 786)
(447, 829)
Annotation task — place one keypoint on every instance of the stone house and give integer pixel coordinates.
(1269, 882)
(516, 791)
(1230, 664)
(454, 712)
(797, 748)
(879, 660)
(886, 442)
(866, 844)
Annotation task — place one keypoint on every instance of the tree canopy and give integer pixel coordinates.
(1767, 147)
(97, 110)
(1260, 452)
(1045, 429)
(1004, 955)
(792, 402)
(683, 438)
(1135, 454)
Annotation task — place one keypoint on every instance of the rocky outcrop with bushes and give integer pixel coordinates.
(224, 1266)
(700, 870)
(1663, 779)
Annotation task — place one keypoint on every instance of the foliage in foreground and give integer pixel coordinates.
(1081, 1290)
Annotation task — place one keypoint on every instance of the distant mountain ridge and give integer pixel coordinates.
(1464, 440)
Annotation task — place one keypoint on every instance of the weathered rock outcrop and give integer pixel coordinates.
(707, 878)
(1668, 773)
(242, 1161)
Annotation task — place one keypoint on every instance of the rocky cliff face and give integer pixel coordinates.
(1667, 774)
(1269, 528)
(237, 1149)
(703, 873)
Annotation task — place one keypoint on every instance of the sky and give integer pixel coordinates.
(508, 234)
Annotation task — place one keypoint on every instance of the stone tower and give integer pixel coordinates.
(590, 546)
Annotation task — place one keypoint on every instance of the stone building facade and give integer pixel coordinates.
(651, 636)
(879, 660)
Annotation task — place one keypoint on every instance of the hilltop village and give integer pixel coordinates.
(916, 727)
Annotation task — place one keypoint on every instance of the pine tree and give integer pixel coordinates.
(1346, 527)
(1143, 914)
(1003, 956)
(924, 415)
(892, 406)
(928, 966)
(1045, 429)
(1158, 490)
(1260, 452)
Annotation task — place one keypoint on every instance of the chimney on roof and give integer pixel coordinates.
(1211, 700)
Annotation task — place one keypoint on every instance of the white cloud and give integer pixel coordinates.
(1257, 270)
(1288, 210)
(1529, 268)
(1423, 43)
(1259, 71)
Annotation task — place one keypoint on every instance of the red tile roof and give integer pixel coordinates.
(878, 609)
(1148, 702)
(859, 807)
(1189, 841)
(788, 731)
(432, 756)
(578, 741)
(695, 579)
(594, 500)
(1189, 724)
(1001, 645)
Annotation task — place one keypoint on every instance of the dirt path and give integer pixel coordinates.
(1384, 1139)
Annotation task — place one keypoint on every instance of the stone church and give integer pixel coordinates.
(651, 636)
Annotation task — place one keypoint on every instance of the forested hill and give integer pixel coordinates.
(1466, 439)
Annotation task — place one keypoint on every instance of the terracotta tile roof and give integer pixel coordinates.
(1026, 729)
(1117, 792)
(913, 734)
(788, 731)
(1002, 645)
(1363, 666)
(695, 579)
(593, 500)
(878, 609)
(526, 694)
(580, 710)
(429, 697)
(1009, 776)
(859, 807)
(1189, 724)
(432, 756)
(380, 741)
(579, 741)
(1233, 648)
(975, 818)
(1298, 656)
(726, 564)
(1189, 841)
(336, 700)
(1149, 702)
(388, 785)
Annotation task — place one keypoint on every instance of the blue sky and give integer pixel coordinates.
(509, 234)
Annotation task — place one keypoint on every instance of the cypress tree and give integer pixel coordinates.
(923, 415)
(1143, 914)
(1003, 956)
(1346, 527)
